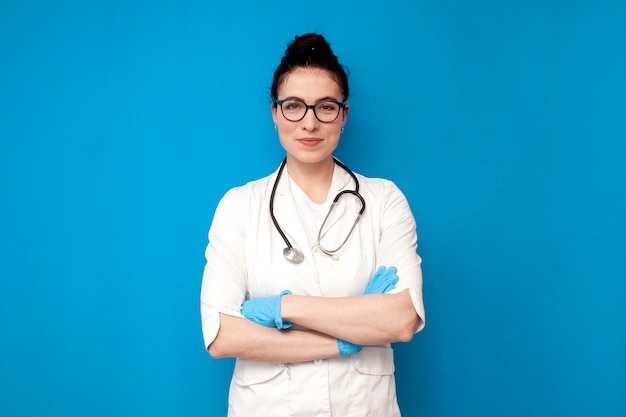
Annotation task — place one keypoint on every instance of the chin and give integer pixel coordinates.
(310, 158)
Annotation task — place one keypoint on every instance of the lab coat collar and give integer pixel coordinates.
(341, 181)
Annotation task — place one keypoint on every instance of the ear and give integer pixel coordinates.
(273, 108)
(346, 109)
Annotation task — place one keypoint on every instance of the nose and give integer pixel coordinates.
(309, 121)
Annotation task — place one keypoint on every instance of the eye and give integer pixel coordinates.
(328, 107)
(292, 105)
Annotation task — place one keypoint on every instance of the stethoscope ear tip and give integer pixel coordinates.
(293, 255)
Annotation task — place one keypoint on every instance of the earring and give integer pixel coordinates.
(276, 127)
(341, 129)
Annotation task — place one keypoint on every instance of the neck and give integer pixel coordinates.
(313, 179)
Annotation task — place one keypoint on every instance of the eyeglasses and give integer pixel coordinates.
(294, 110)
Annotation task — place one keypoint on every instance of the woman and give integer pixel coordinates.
(306, 295)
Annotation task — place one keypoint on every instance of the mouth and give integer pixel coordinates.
(309, 141)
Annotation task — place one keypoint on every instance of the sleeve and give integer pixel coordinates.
(224, 279)
(398, 247)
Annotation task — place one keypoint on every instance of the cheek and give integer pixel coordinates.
(335, 130)
(284, 134)
(285, 127)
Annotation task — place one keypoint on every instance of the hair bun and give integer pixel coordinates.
(310, 51)
(309, 44)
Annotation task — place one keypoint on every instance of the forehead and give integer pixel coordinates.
(309, 84)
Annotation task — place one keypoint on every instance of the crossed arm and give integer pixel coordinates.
(371, 319)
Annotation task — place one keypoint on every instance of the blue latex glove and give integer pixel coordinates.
(265, 311)
(384, 280)
(347, 348)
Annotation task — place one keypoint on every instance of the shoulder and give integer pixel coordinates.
(378, 187)
(383, 196)
(240, 202)
(251, 191)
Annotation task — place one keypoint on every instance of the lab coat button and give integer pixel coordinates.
(318, 362)
(359, 363)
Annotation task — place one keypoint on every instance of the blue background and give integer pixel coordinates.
(123, 123)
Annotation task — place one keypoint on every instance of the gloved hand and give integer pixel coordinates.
(384, 280)
(265, 311)
(347, 348)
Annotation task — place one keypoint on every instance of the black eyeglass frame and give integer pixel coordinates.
(309, 106)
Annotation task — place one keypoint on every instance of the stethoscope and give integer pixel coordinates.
(294, 255)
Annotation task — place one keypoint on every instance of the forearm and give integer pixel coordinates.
(367, 320)
(241, 338)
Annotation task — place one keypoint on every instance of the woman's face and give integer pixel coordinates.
(309, 141)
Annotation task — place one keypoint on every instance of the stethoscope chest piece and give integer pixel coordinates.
(293, 255)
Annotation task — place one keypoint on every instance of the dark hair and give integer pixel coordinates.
(310, 51)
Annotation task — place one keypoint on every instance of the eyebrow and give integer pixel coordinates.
(319, 100)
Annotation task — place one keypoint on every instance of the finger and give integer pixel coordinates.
(380, 270)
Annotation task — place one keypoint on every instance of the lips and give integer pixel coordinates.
(309, 141)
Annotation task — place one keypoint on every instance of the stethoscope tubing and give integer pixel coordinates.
(294, 255)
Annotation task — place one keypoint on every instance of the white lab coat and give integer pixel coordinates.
(245, 260)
